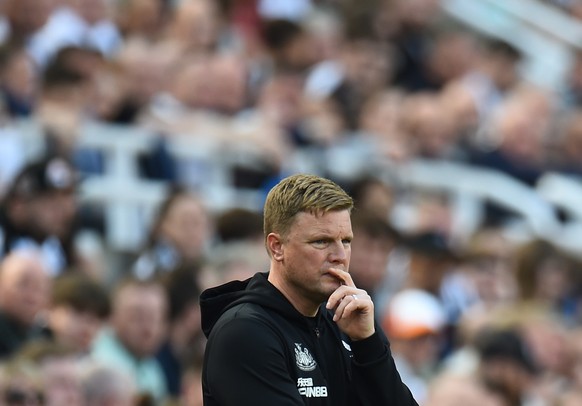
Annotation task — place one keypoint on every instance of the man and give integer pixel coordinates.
(79, 308)
(39, 211)
(415, 321)
(138, 322)
(60, 367)
(371, 251)
(303, 333)
(24, 294)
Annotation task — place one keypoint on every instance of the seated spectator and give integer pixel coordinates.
(39, 211)
(192, 384)
(239, 224)
(20, 81)
(105, 385)
(60, 370)
(414, 322)
(179, 235)
(515, 140)
(431, 259)
(507, 365)
(79, 308)
(137, 329)
(185, 339)
(372, 195)
(547, 276)
(24, 294)
(374, 240)
(453, 390)
(21, 383)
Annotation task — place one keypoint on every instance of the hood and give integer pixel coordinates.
(215, 301)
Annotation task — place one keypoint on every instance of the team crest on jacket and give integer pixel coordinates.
(303, 358)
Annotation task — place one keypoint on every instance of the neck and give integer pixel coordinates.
(299, 302)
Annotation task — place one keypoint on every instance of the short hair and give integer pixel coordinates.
(279, 33)
(302, 193)
(82, 294)
(370, 224)
(503, 49)
(239, 224)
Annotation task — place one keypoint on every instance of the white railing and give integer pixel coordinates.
(130, 201)
(545, 34)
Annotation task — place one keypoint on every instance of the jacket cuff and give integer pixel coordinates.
(369, 349)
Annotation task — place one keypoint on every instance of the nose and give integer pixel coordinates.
(338, 253)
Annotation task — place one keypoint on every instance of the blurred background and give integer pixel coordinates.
(138, 140)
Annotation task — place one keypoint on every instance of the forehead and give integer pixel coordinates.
(331, 222)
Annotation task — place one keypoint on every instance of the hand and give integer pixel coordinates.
(354, 309)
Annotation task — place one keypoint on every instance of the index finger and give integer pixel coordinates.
(344, 276)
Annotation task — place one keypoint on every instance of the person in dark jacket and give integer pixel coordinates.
(303, 333)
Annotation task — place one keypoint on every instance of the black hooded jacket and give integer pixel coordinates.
(261, 351)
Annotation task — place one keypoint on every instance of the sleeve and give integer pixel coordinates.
(246, 365)
(376, 380)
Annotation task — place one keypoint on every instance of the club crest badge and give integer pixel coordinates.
(303, 358)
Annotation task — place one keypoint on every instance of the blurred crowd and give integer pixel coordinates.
(490, 319)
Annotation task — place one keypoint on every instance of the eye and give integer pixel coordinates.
(321, 243)
(347, 241)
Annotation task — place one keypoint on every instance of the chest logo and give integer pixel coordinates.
(303, 358)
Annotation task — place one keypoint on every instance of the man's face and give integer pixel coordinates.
(53, 213)
(139, 317)
(24, 288)
(186, 226)
(63, 386)
(370, 260)
(313, 245)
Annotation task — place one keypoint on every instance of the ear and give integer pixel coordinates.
(275, 246)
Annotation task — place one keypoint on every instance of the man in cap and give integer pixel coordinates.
(38, 212)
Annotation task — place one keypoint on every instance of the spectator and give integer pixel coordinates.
(517, 135)
(414, 322)
(79, 309)
(431, 259)
(27, 17)
(507, 366)
(24, 295)
(39, 211)
(290, 46)
(179, 235)
(495, 75)
(21, 384)
(60, 369)
(192, 384)
(374, 240)
(141, 18)
(546, 276)
(19, 81)
(238, 224)
(194, 26)
(107, 386)
(452, 390)
(372, 195)
(185, 339)
(138, 323)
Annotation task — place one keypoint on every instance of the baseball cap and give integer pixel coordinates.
(413, 313)
(47, 175)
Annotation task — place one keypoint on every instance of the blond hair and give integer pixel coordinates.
(301, 193)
